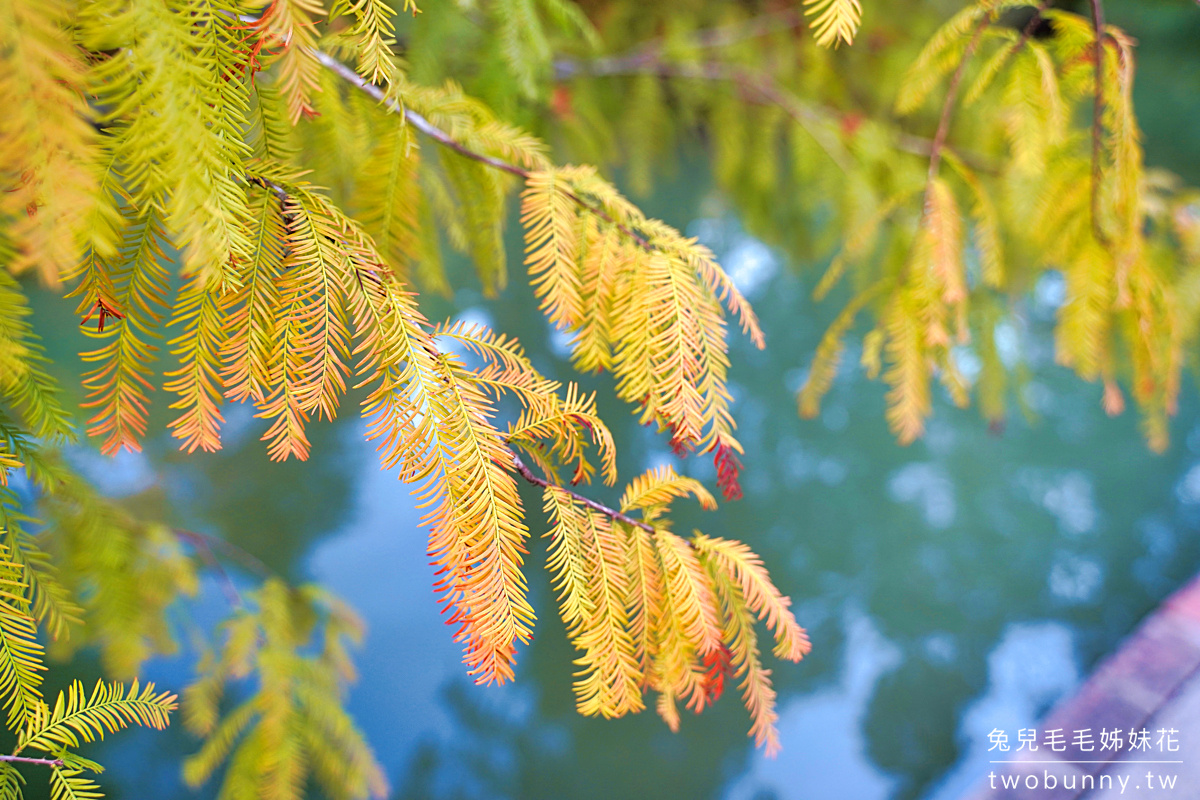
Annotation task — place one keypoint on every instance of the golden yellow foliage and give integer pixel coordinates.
(187, 207)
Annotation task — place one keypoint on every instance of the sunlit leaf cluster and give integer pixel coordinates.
(650, 610)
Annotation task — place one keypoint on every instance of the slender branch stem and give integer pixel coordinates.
(232, 552)
(761, 88)
(528, 474)
(205, 551)
(53, 763)
(1031, 26)
(413, 118)
(419, 122)
(1097, 117)
(441, 137)
(766, 88)
(272, 187)
(943, 128)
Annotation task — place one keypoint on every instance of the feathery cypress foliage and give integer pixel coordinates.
(157, 158)
(292, 726)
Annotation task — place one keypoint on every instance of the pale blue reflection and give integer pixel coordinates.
(928, 487)
(122, 475)
(1075, 578)
(824, 756)
(1068, 496)
(377, 562)
(1032, 667)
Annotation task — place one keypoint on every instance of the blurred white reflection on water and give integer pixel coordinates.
(1074, 578)
(1068, 496)
(750, 264)
(824, 754)
(929, 488)
(1188, 488)
(1028, 671)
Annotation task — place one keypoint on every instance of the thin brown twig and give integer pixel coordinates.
(201, 544)
(1097, 117)
(943, 128)
(764, 86)
(768, 90)
(419, 122)
(215, 544)
(270, 186)
(529, 475)
(413, 118)
(1029, 29)
(53, 763)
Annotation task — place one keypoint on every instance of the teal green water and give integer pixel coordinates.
(952, 587)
